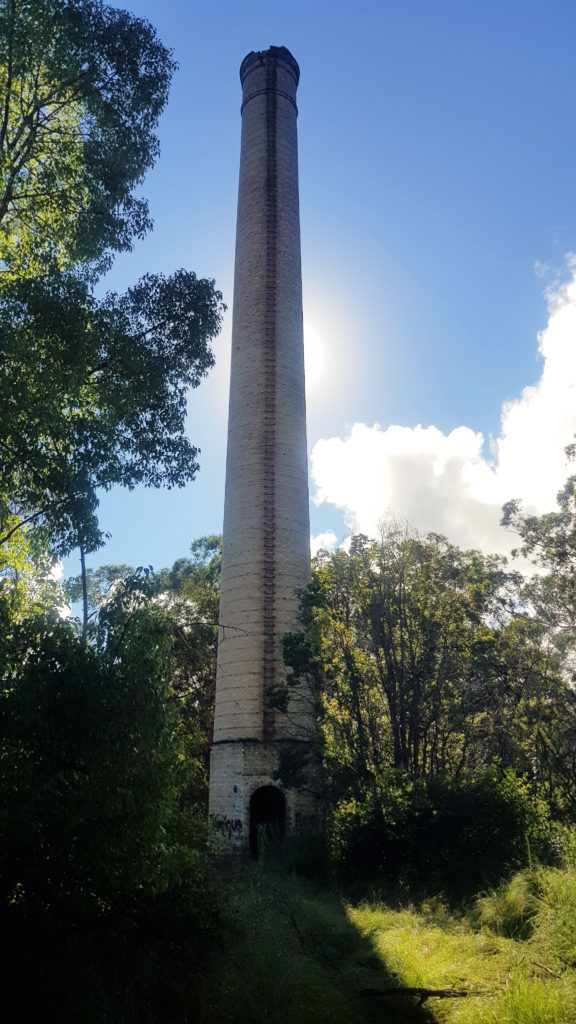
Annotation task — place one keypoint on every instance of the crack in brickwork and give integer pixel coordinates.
(269, 445)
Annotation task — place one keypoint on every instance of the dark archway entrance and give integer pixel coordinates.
(267, 817)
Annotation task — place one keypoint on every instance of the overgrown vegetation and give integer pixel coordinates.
(293, 952)
(500, 961)
(443, 683)
(445, 706)
(106, 896)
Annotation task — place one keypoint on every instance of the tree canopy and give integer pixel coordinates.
(425, 662)
(82, 86)
(96, 762)
(187, 594)
(92, 391)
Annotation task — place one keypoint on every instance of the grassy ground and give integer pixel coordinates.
(283, 950)
(294, 954)
(507, 981)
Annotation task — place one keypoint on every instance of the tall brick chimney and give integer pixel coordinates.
(266, 554)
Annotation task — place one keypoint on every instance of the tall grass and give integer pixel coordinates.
(287, 951)
(555, 926)
(295, 954)
(514, 954)
(532, 1001)
(511, 909)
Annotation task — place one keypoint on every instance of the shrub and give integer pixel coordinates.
(107, 904)
(90, 763)
(434, 836)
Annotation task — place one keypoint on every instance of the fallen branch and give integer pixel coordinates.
(543, 967)
(423, 993)
(291, 914)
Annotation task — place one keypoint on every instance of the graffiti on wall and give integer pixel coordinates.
(227, 826)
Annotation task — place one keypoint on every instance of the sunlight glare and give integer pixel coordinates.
(313, 356)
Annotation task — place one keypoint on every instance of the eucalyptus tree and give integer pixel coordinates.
(93, 394)
(187, 595)
(549, 542)
(82, 86)
(549, 597)
(92, 391)
(401, 633)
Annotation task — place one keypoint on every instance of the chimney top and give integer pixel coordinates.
(273, 55)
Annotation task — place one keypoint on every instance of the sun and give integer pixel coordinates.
(313, 356)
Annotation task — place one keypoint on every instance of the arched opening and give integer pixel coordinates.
(267, 818)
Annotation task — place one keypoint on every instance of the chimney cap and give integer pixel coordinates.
(273, 55)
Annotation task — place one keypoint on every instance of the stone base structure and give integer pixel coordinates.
(266, 537)
(252, 801)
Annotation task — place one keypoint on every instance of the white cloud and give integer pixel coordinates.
(446, 483)
(56, 570)
(326, 541)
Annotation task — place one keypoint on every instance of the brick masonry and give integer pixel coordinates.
(266, 555)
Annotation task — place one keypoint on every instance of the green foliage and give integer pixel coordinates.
(400, 639)
(293, 763)
(104, 880)
(426, 676)
(99, 584)
(550, 542)
(142, 962)
(563, 845)
(91, 768)
(27, 583)
(550, 539)
(82, 86)
(428, 837)
(550, 598)
(189, 593)
(93, 394)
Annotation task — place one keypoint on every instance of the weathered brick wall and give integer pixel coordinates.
(238, 770)
(266, 526)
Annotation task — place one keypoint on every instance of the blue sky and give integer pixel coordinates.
(437, 169)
